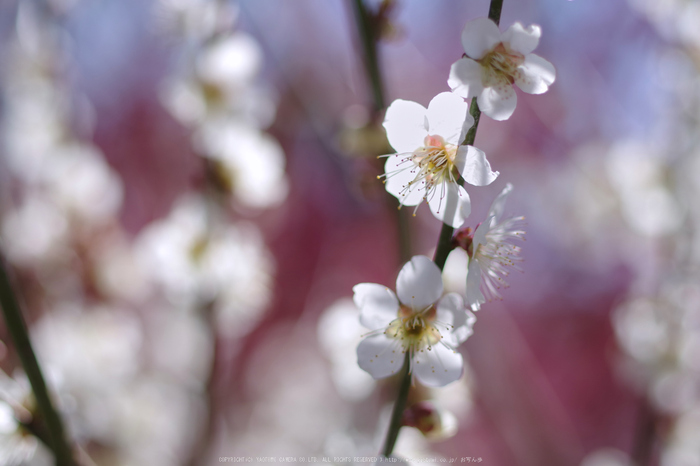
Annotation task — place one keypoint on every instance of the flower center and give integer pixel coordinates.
(434, 163)
(198, 248)
(500, 65)
(415, 329)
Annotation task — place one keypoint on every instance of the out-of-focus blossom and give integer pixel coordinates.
(16, 407)
(248, 163)
(181, 344)
(82, 184)
(492, 253)
(193, 19)
(607, 457)
(495, 61)
(217, 92)
(200, 260)
(639, 177)
(417, 321)
(412, 448)
(117, 273)
(430, 160)
(660, 334)
(676, 20)
(339, 334)
(16, 446)
(93, 356)
(295, 405)
(229, 63)
(221, 83)
(434, 423)
(34, 232)
(154, 421)
(97, 358)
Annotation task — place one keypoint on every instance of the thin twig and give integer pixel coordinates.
(17, 328)
(445, 242)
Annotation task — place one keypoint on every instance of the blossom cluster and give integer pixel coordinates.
(127, 322)
(418, 325)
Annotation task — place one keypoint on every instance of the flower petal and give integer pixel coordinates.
(465, 78)
(378, 305)
(451, 311)
(438, 366)
(498, 102)
(480, 36)
(406, 125)
(498, 205)
(481, 230)
(535, 75)
(474, 167)
(419, 283)
(400, 173)
(380, 356)
(522, 40)
(474, 295)
(450, 203)
(447, 116)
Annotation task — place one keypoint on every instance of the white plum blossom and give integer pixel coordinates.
(16, 446)
(430, 160)
(199, 258)
(416, 320)
(248, 162)
(495, 61)
(492, 253)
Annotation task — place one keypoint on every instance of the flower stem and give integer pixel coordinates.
(495, 11)
(445, 241)
(399, 406)
(368, 35)
(367, 26)
(443, 249)
(445, 246)
(17, 328)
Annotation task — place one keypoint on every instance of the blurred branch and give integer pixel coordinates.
(18, 330)
(369, 27)
(645, 434)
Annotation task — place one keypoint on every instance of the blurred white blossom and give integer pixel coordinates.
(198, 259)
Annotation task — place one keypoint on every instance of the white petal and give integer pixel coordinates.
(438, 366)
(447, 116)
(452, 312)
(522, 40)
(465, 78)
(406, 125)
(498, 102)
(400, 171)
(378, 305)
(474, 295)
(480, 36)
(474, 167)
(535, 75)
(481, 231)
(380, 356)
(499, 204)
(450, 203)
(419, 283)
